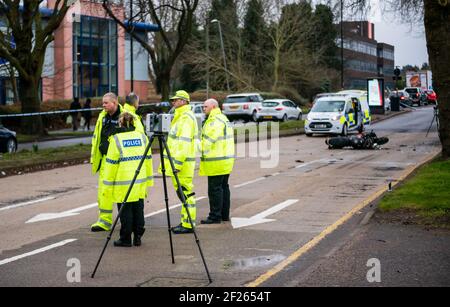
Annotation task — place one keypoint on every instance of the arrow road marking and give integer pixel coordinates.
(239, 222)
(37, 251)
(52, 216)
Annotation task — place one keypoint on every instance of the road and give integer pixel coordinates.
(88, 140)
(284, 207)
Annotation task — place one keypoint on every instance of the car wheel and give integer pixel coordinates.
(285, 118)
(299, 116)
(344, 130)
(254, 118)
(11, 146)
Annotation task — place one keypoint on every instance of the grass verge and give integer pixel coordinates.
(426, 196)
(26, 158)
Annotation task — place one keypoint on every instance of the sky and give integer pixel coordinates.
(410, 45)
(409, 40)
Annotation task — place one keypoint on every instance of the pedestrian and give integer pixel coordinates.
(106, 126)
(75, 105)
(182, 146)
(216, 161)
(125, 152)
(87, 114)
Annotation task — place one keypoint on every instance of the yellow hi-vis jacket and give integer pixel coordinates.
(182, 142)
(125, 151)
(130, 109)
(96, 155)
(217, 145)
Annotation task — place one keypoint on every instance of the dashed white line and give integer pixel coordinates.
(31, 202)
(249, 182)
(37, 251)
(170, 208)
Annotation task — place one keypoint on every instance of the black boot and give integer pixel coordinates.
(122, 243)
(137, 237)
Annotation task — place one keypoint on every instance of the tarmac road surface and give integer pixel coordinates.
(286, 207)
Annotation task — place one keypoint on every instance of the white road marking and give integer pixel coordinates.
(172, 207)
(31, 202)
(51, 216)
(238, 222)
(249, 182)
(37, 251)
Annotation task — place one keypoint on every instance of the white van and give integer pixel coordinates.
(338, 113)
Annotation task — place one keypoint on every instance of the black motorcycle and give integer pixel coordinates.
(360, 141)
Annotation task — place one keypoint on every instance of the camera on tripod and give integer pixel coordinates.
(157, 123)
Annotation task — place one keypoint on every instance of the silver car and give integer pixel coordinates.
(279, 109)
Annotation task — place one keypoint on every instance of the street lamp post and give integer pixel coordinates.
(223, 52)
(342, 44)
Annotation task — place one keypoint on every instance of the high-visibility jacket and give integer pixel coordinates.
(125, 152)
(96, 155)
(182, 142)
(217, 145)
(130, 109)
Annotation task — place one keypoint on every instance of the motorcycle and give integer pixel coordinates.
(360, 141)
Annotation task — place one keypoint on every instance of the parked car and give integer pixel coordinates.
(404, 97)
(278, 109)
(242, 106)
(8, 140)
(431, 96)
(417, 95)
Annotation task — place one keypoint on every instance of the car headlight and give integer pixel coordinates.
(309, 118)
(337, 117)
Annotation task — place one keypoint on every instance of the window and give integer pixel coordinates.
(95, 57)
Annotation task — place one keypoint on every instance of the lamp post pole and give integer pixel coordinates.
(223, 52)
(131, 49)
(342, 45)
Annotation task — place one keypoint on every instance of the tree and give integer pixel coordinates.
(436, 17)
(23, 45)
(254, 35)
(175, 19)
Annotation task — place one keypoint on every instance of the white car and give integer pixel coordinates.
(242, 106)
(278, 109)
(338, 114)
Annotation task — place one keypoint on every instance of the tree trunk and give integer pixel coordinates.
(437, 25)
(164, 82)
(31, 103)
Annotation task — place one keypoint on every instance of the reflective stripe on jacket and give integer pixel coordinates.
(217, 145)
(96, 155)
(122, 160)
(182, 140)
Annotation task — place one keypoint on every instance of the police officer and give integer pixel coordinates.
(125, 151)
(217, 160)
(132, 104)
(107, 124)
(181, 142)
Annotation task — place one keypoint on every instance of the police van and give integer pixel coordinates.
(339, 113)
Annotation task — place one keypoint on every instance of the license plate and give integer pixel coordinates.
(267, 117)
(234, 107)
(321, 126)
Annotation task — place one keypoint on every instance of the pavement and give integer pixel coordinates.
(277, 209)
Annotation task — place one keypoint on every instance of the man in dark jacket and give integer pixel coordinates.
(75, 105)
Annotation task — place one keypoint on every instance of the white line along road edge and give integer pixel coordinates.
(37, 251)
(31, 202)
(238, 222)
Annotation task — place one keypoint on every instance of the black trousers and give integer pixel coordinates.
(219, 197)
(132, 220)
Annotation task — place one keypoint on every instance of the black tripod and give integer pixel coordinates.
(162, 146)
(435, 117)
